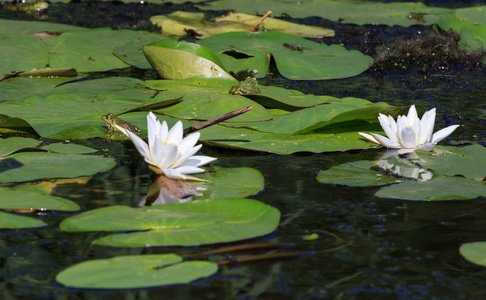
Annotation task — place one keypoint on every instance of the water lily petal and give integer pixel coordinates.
(427, 127)
(176, 133)
(122, 130)
(189, 170)
(443, 133)
(405, 151)
(390, 132)
(385, 141)
(401, 124)
(153, 126)
(140, 144)
(408, 138)
(369, 137)
(173, 173)
(189, 141)
(187, 155)
(203, 159)
(165, 156)
(416, 129)
(412, 116)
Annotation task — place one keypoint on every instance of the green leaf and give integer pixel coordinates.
(69, 148)
(18, 199)
(473, 36)
(314, 62)
(474, 252)
(358, 173)
(345, 11)
(231, 183)
(180, 60)
(135, 271)
(455, 161)
(186, 224)
(70, 116)
(441, 188)
(14, 144)
(29, 166)
(11, 221)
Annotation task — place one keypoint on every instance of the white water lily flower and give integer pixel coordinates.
(409, 133)
(167, 152)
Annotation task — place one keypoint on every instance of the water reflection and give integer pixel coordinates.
(165, 190)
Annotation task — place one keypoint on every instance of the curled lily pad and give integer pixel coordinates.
(10, 145)
(186, 224)
(135, 271)
(180, 60)
(178, 22)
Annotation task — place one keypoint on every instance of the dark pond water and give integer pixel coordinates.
(367, 247)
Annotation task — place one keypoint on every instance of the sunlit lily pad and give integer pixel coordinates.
(356, 12)
(179, 60)
(474, 252)
(135, 271)
(69, 148)
(186, 224)
(12, 221)
(441, 188)
(473, 35)
(29, 166)
(296, 58)
(176, 23)
(18, 199)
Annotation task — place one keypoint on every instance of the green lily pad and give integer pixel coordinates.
(473, 14)
(11, 221)
(179, 60)
(69, 47)
(358, 173)
(473, 36)
(13, 144)
(205, 99)
(474, 252)
(18, 199)
(71, 116)
(345, 11)
(69, 148)
(313, 62)
(29, 166)
(455, 161)
(231, 183)
(441, 188)
(186, 224)
(135, 271)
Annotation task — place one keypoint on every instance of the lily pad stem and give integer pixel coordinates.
(255, 27)
(217, 120)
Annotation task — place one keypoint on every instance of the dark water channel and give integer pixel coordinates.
(367, 247)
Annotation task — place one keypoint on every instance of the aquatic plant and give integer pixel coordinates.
(167, 151)
(409, 133)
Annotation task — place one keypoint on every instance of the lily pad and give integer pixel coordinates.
(455, 161)
(359, 173)
(14, 144)
(69, 148)
(312, 61)
(473, 36)
(176, 23)
(180, 60)
(186, 224)
(474, 252)
(71, 116)
(18, 199)
(346, 11)
(29, 166)
(231, 183)
(441, 188)
(135, 271)
(12, 221)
